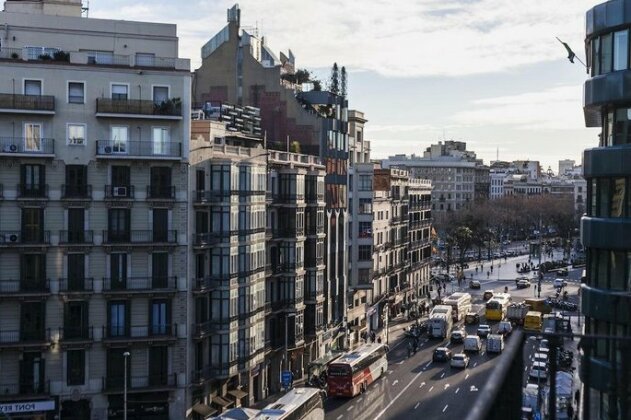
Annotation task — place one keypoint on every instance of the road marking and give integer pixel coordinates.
(481, 353)
(360, 399)
(400, 363)
(475, 364)
(349, 408)
(416, 406)
(422, 385)
(390, 371)
(442, 376)
(428, 364)
(446, 386)
(382, 412)
(339, 417)
(430, 388)
(457, 391)
(445, 409)
(466, 377)
(395, 382)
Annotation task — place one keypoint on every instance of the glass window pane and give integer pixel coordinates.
(620, 50)
(76, 134)
(618, 197)
(33, 87)
(596, 57)
(606, 58)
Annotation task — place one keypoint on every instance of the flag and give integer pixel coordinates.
(570, 53)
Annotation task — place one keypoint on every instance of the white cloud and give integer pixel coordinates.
(395, 38)
(556, 108)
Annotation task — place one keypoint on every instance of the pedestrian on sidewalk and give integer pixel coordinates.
(488, 274)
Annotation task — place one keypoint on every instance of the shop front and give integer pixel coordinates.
(29, 410)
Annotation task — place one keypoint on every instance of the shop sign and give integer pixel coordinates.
(27, 406)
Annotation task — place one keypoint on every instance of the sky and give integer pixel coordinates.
(487, 72)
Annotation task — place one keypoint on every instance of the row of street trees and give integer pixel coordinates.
(489, 222)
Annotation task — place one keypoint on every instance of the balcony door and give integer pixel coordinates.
(76, 225)
(76, 180)
(159, 270)
(33, 272)
(32, 373)
(120, 138)
(160, 186)
(32, 321)
(76, 272)
(76, 321)
(118, 319)
(116, 367)
(119, 225)
(160, 317)
(158, 365)
(160, 225)
(118, 271)
(32, 137)
(32, 225)
(160, 140)
(33, 179)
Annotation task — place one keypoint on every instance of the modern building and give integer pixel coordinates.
(605, 368)
(458, 177)
(228, 184)
(238, 67)
(93, 215)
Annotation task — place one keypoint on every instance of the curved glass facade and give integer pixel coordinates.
(606, 293)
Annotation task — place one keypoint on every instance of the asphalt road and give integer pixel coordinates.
(415, 386)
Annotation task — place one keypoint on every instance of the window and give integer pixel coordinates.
(118, 271)
(76, 181)
(160, 94)
(76, 226)
(100, 57)
(160, 182)
(76, 321)
(620, 50)
(121, 176)
(76, 92)
(36, 53)
(160, 225)
(159, 270)
(158, 365)
(119, 222)
(33, 271)
(120, 92)
(160, 317)
(365, 252)
(32, 320)
(32, 225)
(365, 183)
(76, 134)
(120, 135)
(33, 137)
(33, 178)
(606, 54)
(33, 87)
(76, 272)
(118, 319)
(75, 364)
(618, 198)
(160, 139)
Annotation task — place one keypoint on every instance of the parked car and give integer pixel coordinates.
(474, 284)
(488, 294)
(484, 330)
(559, 283)
(441, 354)
(460, 360)
(457, 335)
(471, 318)
(540, 357)
(523, 284)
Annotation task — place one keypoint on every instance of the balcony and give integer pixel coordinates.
(288, 232)
(213, 238)
(30, 192)
(208, 283)
(208, 196)
(9, 238)
(313, 198)
(79, 237)
(160, 192)
(76, 285)
(287, 268)
(115, 384)
(315, 230)
(71, 335)
(20, 289)
(140, 237)
(119, 192)
(27, 147)
(287, 198)
(79, 192)
(170, 109)
(206, 328)
(214, 372)
(114, 334)
(140, 285)
(25, 389)
(25, 338)
(149, 150)
(15, 103)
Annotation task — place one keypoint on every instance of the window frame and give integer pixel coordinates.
(41, 85)
(75, 378)
(85, 134)
(82, 82)
(112, 84)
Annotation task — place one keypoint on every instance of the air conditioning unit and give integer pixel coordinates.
(10, 148)
(119, 192)
(107, 150)
(13, 238)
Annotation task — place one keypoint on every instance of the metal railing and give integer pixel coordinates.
(76, 332)
(119, 191)
(138, 107)
(161, 191)
(208, 196)
(27, 146)
(24, 336)
(130, 284)
(18, 101)
(121, 149)
(76, 191)
(214, 282)
(213, 238)
(76, 237)
(32, 191)
(140, 236)
(69, 285)
(25, 286)
(141, 332)
(139, 382)
(25, 237)
(41, 387)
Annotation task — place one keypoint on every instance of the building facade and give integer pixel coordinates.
(93, 241)
(605, 368)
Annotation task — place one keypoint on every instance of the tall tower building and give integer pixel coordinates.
(93, 214)
(606, 229)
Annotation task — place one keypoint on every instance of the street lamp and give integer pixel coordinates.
(125, 357)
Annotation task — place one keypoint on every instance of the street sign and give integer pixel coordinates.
(285, 378)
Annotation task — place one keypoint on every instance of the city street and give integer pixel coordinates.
(416, 386)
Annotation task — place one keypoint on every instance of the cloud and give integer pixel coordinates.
(556, 108)
(393, 38)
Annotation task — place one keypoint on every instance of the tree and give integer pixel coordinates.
(302, 76)
(334, 83)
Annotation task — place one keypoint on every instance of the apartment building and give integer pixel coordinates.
(296, 250)
(419, 231)
(93, 159)
(606, 228)
(239, 67)
(458, 177)
(228, 182)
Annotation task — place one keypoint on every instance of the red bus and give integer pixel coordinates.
(353, 372)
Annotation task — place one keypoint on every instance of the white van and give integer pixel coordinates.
(472, 343)
(495, 343)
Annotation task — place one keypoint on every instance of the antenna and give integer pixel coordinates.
(86, 9)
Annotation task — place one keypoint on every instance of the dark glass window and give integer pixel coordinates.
(75, 373)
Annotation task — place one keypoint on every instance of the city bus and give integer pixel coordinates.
(460, 303)
(353, 372)
(497, 306)
(297, 404)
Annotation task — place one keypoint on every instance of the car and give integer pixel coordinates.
(543, 350)
(441, 354)
(488, 294)
(540, 357)
(563, 272)
(484, 330)
(544, 344)
(474, 284)
(559, 283)
(505, 328)
(459, 360)
(523, 284)
(471, 318)
(538, 371)
(457, 335)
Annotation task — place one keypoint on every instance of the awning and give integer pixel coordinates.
(204, 410)
(222, 402)
(237, 393)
